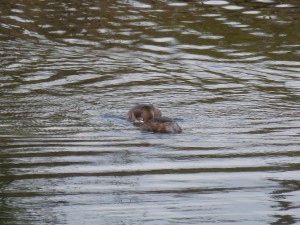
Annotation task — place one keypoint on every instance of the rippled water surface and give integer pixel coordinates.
(227, 71)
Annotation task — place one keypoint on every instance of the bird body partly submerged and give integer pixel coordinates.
(151, 118)
(143, 112)
(161, 125)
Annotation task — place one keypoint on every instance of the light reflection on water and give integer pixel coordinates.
(227, 72)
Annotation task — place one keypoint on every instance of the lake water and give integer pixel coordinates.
(227, 71)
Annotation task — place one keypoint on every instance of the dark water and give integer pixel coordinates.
(227, 71)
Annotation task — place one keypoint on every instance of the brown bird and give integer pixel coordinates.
(143, 112)
(151, 118)
(161, 125)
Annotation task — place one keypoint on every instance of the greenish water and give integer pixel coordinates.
(226, 71)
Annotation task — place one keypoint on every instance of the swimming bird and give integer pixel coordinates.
(161, 125)
(143, 112)
(150, 118)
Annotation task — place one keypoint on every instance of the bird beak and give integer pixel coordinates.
(139, 120)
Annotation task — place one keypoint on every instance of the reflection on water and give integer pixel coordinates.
(227, 71)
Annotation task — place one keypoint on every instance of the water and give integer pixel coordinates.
(226, 71)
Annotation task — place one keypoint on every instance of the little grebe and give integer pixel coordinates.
(161, 125)
(142, 113)
(151, 117)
